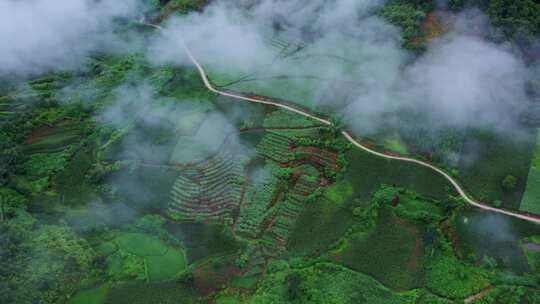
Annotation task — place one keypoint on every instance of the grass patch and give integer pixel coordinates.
(141, 244)
(299, 92)
(492, 235)
(46, 164)
(386, 253)
(323, 283)
(328, 218)
(143, 256)
(182, 7)
(144, 293)
(415, 208)
(147, 188)
(90, 296)
(339, 192)
(204, 143)
(167, 266)
(282, 118)
(203, 240)
(531, 198)
(532, 253)
(323, 219)
(244, 282)
(55, 141)
(367, 172)
(72, 184)
(487, 159)
(395, 145)
(448, 277)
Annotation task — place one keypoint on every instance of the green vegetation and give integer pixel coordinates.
(392, 253)
(181, 6)
(322, 283)
(202, 145)
(409, 18)
(367, 172)
(286, 119)
(208, 191)
(142, 257)
(519, 19)
(496, 158)
(328, 217)
(531, 196)
(532, 254)
(450, 278)
(90, 296)
(396, 145)
(124, 182)
(142, 293)
(411, 206)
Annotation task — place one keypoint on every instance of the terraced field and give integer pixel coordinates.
(278, 227)
(209, 191)
(260, 194)
(279, 145)
(50, 140)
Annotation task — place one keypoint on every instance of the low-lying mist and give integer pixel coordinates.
(462, 81)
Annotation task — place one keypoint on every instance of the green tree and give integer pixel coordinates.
(520, 19)
(11, 158)
(409, 19)
(509, 183)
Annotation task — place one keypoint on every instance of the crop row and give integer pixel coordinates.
(210, 191)
(289, 210)
(258, 199)
(320, 156)
(275, 147)
(281, 118)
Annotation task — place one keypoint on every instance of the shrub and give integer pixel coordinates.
(509, 183)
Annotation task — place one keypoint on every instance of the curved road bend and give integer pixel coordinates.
(356, 143)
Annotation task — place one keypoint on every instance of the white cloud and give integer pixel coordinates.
(40, 35)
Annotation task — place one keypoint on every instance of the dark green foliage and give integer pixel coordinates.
(72, 183)
(202, 240)
(409, 19)
(519, 18)
(11, 158)
(477, 238)
(388, 253)
(295, 292)
(509, 183)
(456, 5)
(323, 218)
(143, 293)
(323, 283)
(448, 277)
(409, 205)
(54, 241)
(182, 6)
(487, 159)
(367, 172)
(42, 265)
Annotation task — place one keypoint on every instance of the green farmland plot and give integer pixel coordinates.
(91, 296)
(392, 253)
(531, 198)
(56, 140)
(367, 172)
(153, 292)
(144, 257)
(328, 218)
(487, 159)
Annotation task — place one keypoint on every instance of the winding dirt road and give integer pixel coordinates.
(353, 141)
